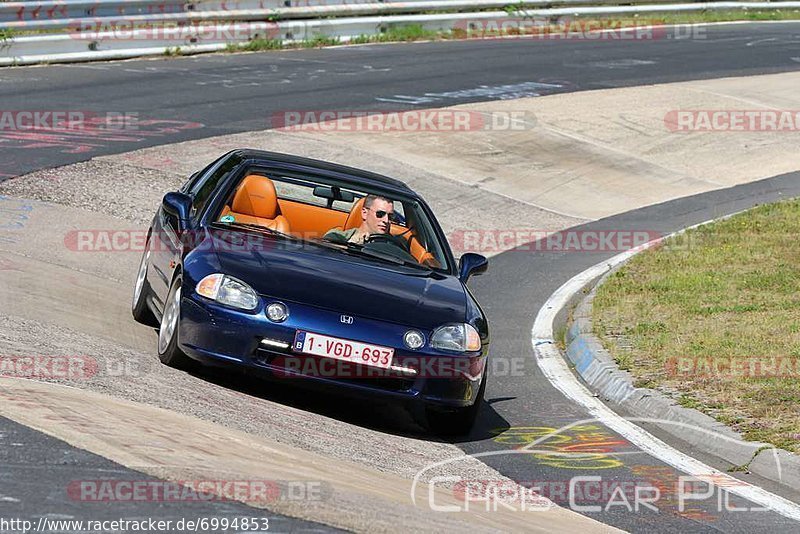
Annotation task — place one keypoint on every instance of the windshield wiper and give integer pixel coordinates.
(257, 227)
(356, 247)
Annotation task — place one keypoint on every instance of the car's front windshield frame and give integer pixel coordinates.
(227, 189)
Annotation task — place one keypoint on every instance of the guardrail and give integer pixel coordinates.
(133, 35)
(53, 15)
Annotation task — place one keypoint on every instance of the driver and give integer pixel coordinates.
(376, 215)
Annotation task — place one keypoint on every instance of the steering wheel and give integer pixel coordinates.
(389, 244)
(388, 239)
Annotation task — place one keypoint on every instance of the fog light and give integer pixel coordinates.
(274, 343)
(405, 370)
(277, 312)
(414, 339)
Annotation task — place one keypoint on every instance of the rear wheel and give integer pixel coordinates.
(168, 351)
(141, 293)
(455, 421)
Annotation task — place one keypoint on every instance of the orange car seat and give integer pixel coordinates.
(354, 219)
(256, 202)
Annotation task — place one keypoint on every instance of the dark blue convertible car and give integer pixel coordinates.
(262, 261)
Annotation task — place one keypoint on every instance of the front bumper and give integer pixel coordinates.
(218, 335)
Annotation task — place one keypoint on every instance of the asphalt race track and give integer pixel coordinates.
(207, 96)
(191, 98)
(36, 466)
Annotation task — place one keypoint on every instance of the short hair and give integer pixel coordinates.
(369, 199)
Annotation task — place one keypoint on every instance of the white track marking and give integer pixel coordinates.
(555, 368)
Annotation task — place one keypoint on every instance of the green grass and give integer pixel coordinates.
(728, 15)
(561, 337)
(319, 41)
(256, 45)
(725, 294)
(5, 35)
(411, 32)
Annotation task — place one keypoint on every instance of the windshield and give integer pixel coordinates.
(320, 212)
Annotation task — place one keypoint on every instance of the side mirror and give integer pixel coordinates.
(471, 264)
(178, 205)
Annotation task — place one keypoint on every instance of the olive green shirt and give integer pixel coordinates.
(342, 236)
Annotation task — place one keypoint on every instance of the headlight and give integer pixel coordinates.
(228, 291)
(456, 337)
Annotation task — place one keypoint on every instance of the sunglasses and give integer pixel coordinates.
(380, 214)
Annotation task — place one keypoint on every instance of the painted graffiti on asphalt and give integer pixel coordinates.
(484, 92)
(14, 213)
(586, 446)
(94, 132)
(674, 496)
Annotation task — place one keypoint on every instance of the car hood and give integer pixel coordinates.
(347, 284)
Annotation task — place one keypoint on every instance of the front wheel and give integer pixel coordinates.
(455, 421)
(141, 292)
(168, 351)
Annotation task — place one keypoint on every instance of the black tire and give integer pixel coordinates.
(456, 421)
(168, 350)
(141, 293)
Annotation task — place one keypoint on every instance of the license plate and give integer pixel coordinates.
(343, 349)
